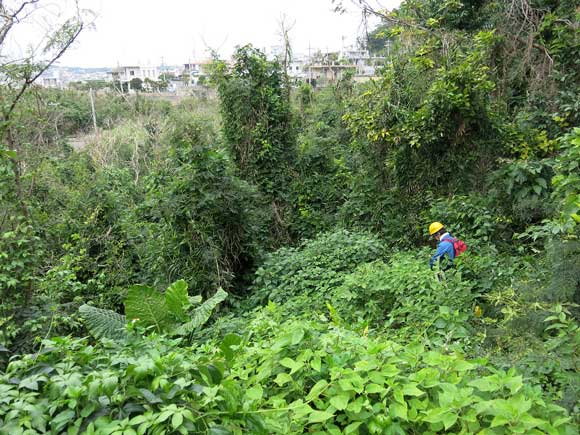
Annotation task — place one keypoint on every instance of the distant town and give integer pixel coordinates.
(319, 68)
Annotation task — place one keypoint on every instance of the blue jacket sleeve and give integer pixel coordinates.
(444, 247)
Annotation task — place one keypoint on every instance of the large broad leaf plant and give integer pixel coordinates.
(173, 312)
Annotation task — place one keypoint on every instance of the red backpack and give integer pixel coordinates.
(459, 246)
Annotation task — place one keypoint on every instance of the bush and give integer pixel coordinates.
(567, 180)
(401, 291)
(198, 221)
(521, 188)
(315, 268)
(473, 218)
(392, 215)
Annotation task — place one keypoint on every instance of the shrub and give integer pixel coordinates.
(198, 221)
(567, 180)
(315, 268)
(522, 189)
(473, 218)
(401, 291)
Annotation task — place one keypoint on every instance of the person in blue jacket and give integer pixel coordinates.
(444, 247)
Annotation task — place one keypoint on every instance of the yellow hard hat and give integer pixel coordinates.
(435, 227)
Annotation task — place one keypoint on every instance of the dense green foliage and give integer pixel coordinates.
(256, 263)
(290, 378)
(257, 126)
(315, 269)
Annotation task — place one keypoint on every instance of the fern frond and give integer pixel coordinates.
(103, 323)
(202, 313)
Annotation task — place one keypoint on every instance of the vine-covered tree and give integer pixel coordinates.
(257, 124)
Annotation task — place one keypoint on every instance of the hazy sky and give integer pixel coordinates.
(145, 31)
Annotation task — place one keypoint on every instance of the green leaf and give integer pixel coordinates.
(139, 419)
(195, 300)
(283, 378)
(316, 390)
(255, 393)
(61, 420)
(212, 373)
(30, 383)
(148, 306)
(489, 383)
(352, 428)
(398, 396)
(176, 299)
(398, 410)
(297, 336)
(390, 371)
(340, 401)
(227, 343)
(149, 396)
(316, 363)
(104, 323)
(412, 390)
(294, 366)
(201, 314)
(542, 182)
(560, 421)
(177, 420)
(300, 409)
(287, 362)
(499, 420)
(11, 154)
(514, 384)
(319, 416)
(374, 389)
(449, 419)
(164, 416)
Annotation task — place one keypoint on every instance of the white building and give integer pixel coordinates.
(196, 69)
(125, 74)
(296, 68)
(365, 64)
(50, 79)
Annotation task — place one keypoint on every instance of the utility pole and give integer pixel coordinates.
(309, 66)
(93, 111)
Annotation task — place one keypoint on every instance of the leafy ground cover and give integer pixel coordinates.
(289, 377)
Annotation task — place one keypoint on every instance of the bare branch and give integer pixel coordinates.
(28, 81)
(284, 33)
(384, 14)
(11, 17)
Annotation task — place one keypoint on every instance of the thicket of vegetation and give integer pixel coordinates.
(259, 264)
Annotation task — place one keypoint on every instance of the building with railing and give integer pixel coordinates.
(125, 74)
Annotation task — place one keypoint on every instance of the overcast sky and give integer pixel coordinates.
(176, 31)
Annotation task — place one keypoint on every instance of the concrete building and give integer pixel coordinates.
(125, 74)
(51, 79)
(325, 68)
(196, 69)
(323, 74)
(361, 59)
